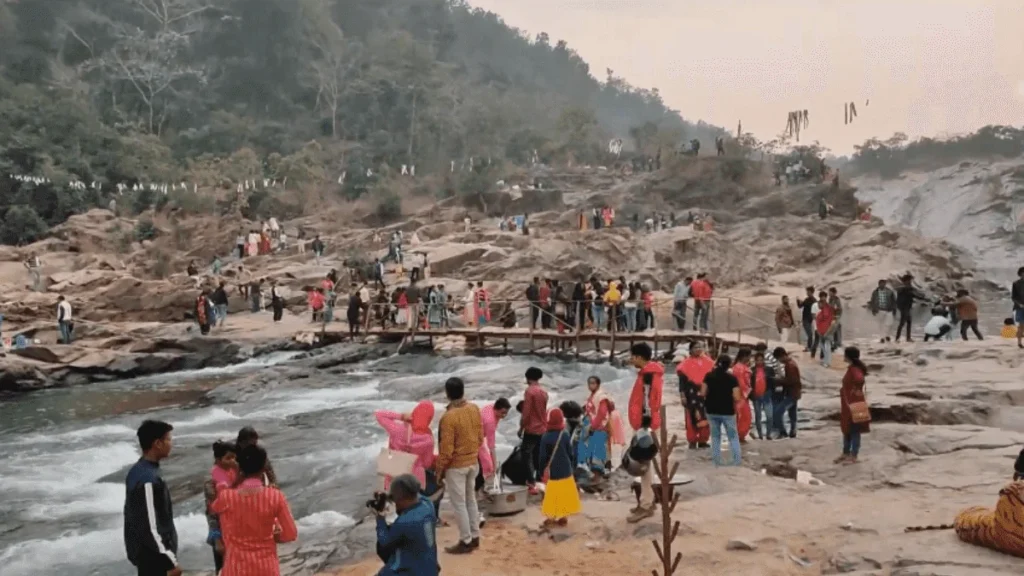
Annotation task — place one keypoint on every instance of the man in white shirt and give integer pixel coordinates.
(938, 326)
(64, 324)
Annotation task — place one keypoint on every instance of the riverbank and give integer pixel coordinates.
(939, 443)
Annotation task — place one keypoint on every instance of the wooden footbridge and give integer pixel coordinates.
(732, 323)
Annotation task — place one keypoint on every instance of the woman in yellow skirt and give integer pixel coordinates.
(561, 498)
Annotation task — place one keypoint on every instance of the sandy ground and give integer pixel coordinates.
(914, 470)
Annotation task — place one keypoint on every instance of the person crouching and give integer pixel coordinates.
(409, 544)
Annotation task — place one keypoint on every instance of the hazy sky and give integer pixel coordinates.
(928, 67)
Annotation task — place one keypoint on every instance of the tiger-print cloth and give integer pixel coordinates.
(1002, 529)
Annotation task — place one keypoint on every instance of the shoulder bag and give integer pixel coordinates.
(547, 468)
(395, 462)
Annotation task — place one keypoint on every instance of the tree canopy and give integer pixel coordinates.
(164, 90)
(890, 157)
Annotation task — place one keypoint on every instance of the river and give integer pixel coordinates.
(64, 453)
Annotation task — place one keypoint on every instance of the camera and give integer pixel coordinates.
(378, 502)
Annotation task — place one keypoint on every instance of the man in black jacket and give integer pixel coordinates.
(807, 318)
(220, 304)
(905, 297)
(150, 539)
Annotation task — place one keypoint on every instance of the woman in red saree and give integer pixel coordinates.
(741, 370)
(691, 372)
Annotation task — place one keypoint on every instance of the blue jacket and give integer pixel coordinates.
(149, 535)
(409, 546)
(562, 463)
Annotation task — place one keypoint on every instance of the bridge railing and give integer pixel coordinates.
(725, 315)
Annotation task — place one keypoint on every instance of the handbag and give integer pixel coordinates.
(395, 462)
(859, 412)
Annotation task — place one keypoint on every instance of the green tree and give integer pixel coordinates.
(21, 225)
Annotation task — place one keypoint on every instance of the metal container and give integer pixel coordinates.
(507, 501)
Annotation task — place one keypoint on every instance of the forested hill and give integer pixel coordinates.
(155, 90)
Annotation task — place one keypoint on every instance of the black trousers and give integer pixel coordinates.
(534, 312)
(973, 325)
(218, 561)
(278, 307)
(152, 564)
(531, 449)
(904, 321)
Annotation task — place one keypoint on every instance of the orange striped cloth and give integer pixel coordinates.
(248, 516)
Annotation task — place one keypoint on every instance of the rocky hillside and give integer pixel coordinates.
(975, 205)
(764, 237)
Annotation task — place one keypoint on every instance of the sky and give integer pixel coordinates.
(923, 67)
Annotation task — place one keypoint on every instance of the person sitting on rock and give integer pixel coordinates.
(1001, 529)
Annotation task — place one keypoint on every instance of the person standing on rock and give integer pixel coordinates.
(276, 301)
(825, 323)
(761, 383)
(691, 372)
(644, 411)
(318, 248)
(792, 387)
(883, 307)
(905, 297)
(240, 244)
(378, 274)
(220, 304)
(967, 311)
(1017, 294)
(413, 299)
(205, 316)
(807, 317)
(460, 436)
(852, 394)
(533, 423)
(355, 306)
(34, 266)
(150, 538)
(256, 295)
(784, 319)
(64, 323)
(837, 307)
(741, 370)
(249, 437)
(722, 391)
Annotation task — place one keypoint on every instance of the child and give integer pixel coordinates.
(222, 475)
(1009, 330)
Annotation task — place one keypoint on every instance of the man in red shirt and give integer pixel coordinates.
(825, 326)
(700, 290)
(533, 424)
(545, 304)
(645, 412)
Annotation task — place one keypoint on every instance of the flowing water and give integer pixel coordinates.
(64, 453)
